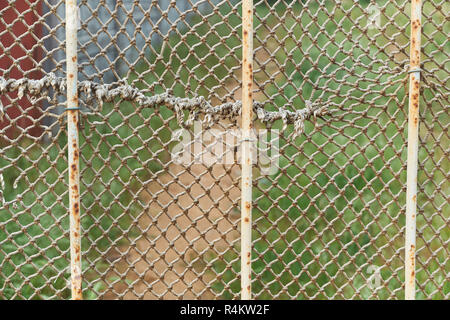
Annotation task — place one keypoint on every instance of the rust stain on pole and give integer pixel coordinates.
(72, 132)
(247, 115)
(413, 149)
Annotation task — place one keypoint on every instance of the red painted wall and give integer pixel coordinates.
(20, 39)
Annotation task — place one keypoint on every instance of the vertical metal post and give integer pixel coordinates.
(413, 149)
(72, 132)
(247, 115)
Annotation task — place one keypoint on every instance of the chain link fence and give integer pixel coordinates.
(328, 223)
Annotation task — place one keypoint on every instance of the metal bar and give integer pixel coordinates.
(413, 148)
(247, 115)
(72, 133)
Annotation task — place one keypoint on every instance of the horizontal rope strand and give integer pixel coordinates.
(196, 106)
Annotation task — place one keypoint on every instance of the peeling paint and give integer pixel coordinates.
(247, 116)
(413, 146)
(73, 149)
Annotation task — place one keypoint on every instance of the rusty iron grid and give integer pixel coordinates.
(324, 225)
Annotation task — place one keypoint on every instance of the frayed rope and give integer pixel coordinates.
(195, 106)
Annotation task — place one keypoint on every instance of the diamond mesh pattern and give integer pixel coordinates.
(153, 229)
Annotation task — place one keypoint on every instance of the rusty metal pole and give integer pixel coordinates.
(72, 133)
(413, 149)
(247, 115)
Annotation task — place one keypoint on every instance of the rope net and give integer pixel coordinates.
(328, 222)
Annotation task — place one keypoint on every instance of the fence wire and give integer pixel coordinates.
(328, 224)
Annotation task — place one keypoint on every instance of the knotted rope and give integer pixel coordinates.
(195, 106)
